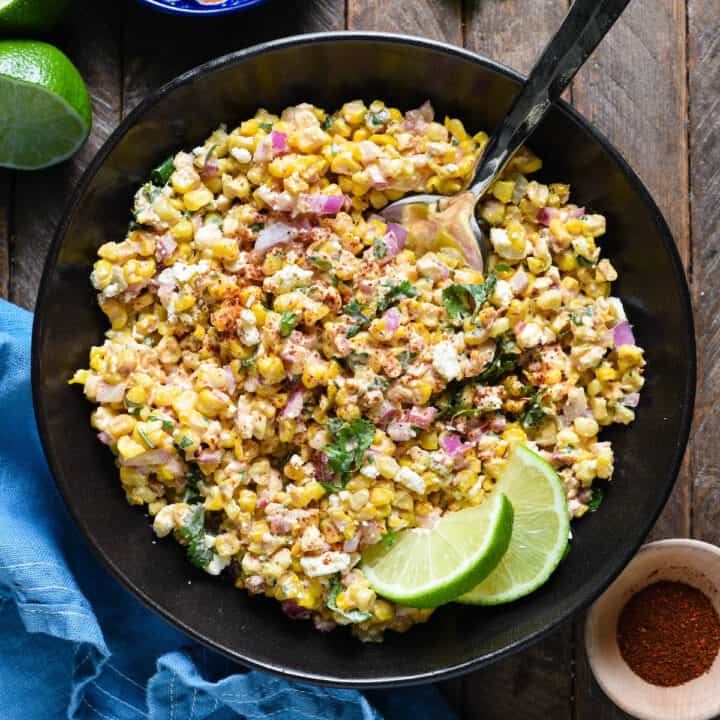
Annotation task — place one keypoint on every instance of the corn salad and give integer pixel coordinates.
(284, 382)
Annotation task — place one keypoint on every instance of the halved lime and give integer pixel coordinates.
(30, 15)
(426, 568)
(45, 114)
(540, 530)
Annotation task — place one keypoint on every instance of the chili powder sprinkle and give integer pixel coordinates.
(669, 633)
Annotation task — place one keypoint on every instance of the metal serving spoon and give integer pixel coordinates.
(436, 220)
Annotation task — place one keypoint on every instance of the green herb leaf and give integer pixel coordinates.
(354, 616)
(534, 413)
(380, 249)
(379, 383)
(464, 300)
(584, 261)
(209, 153)
(149, 444)
(505, 359)
(185, 442)
(193, 533)
(389, 539)
(161, 174)
(133, 408)
(288, 320)
(378, 118)
(256, 227)
(319, 262)
(502, 267)
(468, 412)
(577, 317)
(151, 192)
(354, 310)
(597, 497)
(266, 125)
(356, 359)
(193, 476)
(347, 451)
(166, 424)
(396, 292)
(327, 123)
(405, 358)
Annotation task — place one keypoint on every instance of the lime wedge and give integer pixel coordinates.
(29, 15)
(540, 530)
(45, 114)
(426, 568)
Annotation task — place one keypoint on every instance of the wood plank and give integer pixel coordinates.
(437, 19)
(90, 37)
(704, 78)
(537, 683)
(197, 43)
(6, 183)
(499, 30)
(634, 89)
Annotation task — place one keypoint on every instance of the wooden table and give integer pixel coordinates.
(652, 87)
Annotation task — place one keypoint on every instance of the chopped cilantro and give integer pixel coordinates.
(379, 383)
(209, 154)
(149, 444)
(319, 262)
(288, 320)
(266, 125)
(584, 261)
(505, 359)
(455, 142)
(355, 359)
(161, 174)
(468, 412)
(354, 616)
(403, 289)
(192, 478)
(378, 118)
(464, 300)
(347, 451)
(405, 358)
(389, 539)
(327, 123)
(150, 192)
(185, 442)
(597, 497)
(355, 311)
(133, 408)
(193, 533)
(502, 267)
(256, 227)
(577, 317)
(534, 413)
(166, 424)
(380, 249)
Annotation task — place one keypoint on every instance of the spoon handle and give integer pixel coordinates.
(585, 25)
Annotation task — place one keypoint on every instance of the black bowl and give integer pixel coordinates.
(329, 69)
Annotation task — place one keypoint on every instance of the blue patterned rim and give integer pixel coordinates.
(192, 7)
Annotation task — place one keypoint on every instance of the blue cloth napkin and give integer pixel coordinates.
(74, 644)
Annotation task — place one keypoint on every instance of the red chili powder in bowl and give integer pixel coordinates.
(669, 633)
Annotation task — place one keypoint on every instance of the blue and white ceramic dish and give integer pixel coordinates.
(193, 7)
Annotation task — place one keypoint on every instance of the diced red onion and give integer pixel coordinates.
(209, 457)
(498, 424)
(623, 334)
(294, 611)
(293, 406)
(159, 456)
(272, 235)
(321, 204)
(418, 118)
(278, 142)
(175, 467)
(165, 291)
(452, 445)
(428, 521)
(322, 471)
(105, 438)
(211, 169)
(232, 384)
(392, 319)
(165, 247)
(385, 412)
(366, 286)
(351, 545)
(279, 525)
(546, 214)
(519, 281)
(578, 212)
(631, 400)
(255, 584)
(377, 177)
(369, 151)
(420, 416)
(400, 431)
(323, 624)
(107, 393)
(262, 152)
(370, 532)
(394, 239)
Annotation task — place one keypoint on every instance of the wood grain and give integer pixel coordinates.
(90, 37)
(197, 42)
(704, 78)
(437, 19)
(634, 89)
(6, 182)
(512, 32)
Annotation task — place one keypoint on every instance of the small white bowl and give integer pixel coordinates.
(689, 561)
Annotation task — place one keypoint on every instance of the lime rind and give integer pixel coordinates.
(540, 531)
(427, 568)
